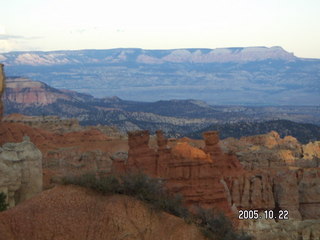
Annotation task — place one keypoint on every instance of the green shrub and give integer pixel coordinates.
(138, 185)
(173, 204)
(3, 204)
(217, 226)
(152, 191)
(141, 186)
(105, 185)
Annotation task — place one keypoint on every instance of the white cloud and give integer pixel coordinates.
(2, 29)
(7, 37)
(8, 45)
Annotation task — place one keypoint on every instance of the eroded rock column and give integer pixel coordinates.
(212, 140)
(2, 78)
(140, 156)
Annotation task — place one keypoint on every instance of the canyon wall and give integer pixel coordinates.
(261, 173)
(281, 174)
(284, 173)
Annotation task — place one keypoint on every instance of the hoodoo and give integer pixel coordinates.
(187, 170)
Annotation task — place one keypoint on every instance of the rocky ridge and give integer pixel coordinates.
(59, 125)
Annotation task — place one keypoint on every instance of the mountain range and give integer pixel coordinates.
(228, 76)
(175, 117)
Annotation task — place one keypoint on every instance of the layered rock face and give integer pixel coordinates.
(49, 123)
(290, 169)
(283, 230)
(23, 90)
(2, 79)
(265, 151)
(69, 212)
(280, 174)
(309, 193)
(20, 171)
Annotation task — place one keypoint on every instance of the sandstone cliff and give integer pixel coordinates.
(69, 212)
(20, 171)
(26, 91)
(290, 169)
(283, 230)
(282, 174)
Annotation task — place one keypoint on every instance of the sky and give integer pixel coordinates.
(102, 24)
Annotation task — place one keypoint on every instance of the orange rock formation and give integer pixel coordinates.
(196, 174)
(213, 178)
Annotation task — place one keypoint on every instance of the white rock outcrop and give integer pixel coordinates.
(20, 171)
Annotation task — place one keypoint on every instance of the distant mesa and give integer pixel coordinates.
(246, 54)
(25, 91)
(227, 55)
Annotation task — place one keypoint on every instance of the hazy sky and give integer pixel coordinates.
(102, 24)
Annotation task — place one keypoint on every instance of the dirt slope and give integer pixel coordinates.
(69, 212)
